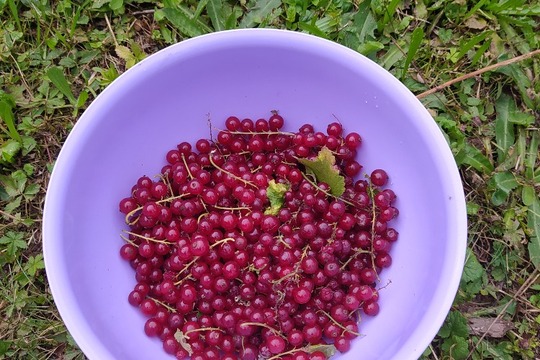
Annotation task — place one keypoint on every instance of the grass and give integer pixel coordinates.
(56, 56)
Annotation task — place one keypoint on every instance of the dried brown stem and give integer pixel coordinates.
(478, 72)
(531, 280)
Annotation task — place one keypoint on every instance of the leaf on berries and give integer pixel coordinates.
(327, 349)
(276, 193)
(324, 169)
(183, 341)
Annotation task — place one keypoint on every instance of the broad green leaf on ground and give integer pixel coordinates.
(473, 276)
(324, 169)
(34, 264)
(276, 194)
(470, 155)
(259, 12)
(57, 77)
(370, 47)
(182, 22)
(213, 8)
(504, 129)
(312, 28)
(125, 54)
(392, 56)
(504, 183)
(364, 22)
(457, 347)
(4, 345)
(12, 242)
(131, 55)
(455, 324)
(473, 270)
(8, 151)
(528, 195)
(533, 222)
(14, 183)
(521, 118)
(499, 351)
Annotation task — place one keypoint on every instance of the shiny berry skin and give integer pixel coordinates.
(275, 122)
(353, 140)
(379, 177)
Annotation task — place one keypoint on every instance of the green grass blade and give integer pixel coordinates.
(15, 13)
(525, 11)
(533, 222)
(6, 114)
(389, 13)
(259, 12)
(504, 129)
(497, 8)
(365, 22)
(313, 29)
(213, 8)
(183, 23)
(521, 80)
(200, 7)
(57, 77)
(532, 155)
(475, 8)
(481, 51)
(393, 55)
(465, 48)
(416, 40)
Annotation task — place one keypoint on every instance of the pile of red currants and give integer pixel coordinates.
(259, 244)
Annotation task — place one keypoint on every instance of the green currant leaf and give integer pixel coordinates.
(457, 347)
(324, 169)
(455, 325)
(276, 193)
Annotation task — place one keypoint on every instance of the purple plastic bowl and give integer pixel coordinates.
(167, 98)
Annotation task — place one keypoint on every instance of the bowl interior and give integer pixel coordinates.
(170, 98)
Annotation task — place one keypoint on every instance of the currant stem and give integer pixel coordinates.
(292, 351)
(171, 309)
(184, 269)
(373, 220)
(187, 166)
(231, 208)
(324, 191)
(266, 327)
(134, 211)
(260, 133)
(147, 238)
(222, 241)
(230, 173)
(356, 253)
(338, 324)
(186, 334)
(128, 241)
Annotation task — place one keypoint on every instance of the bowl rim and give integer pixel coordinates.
(67, 304)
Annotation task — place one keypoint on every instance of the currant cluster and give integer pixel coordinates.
(240, 251)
